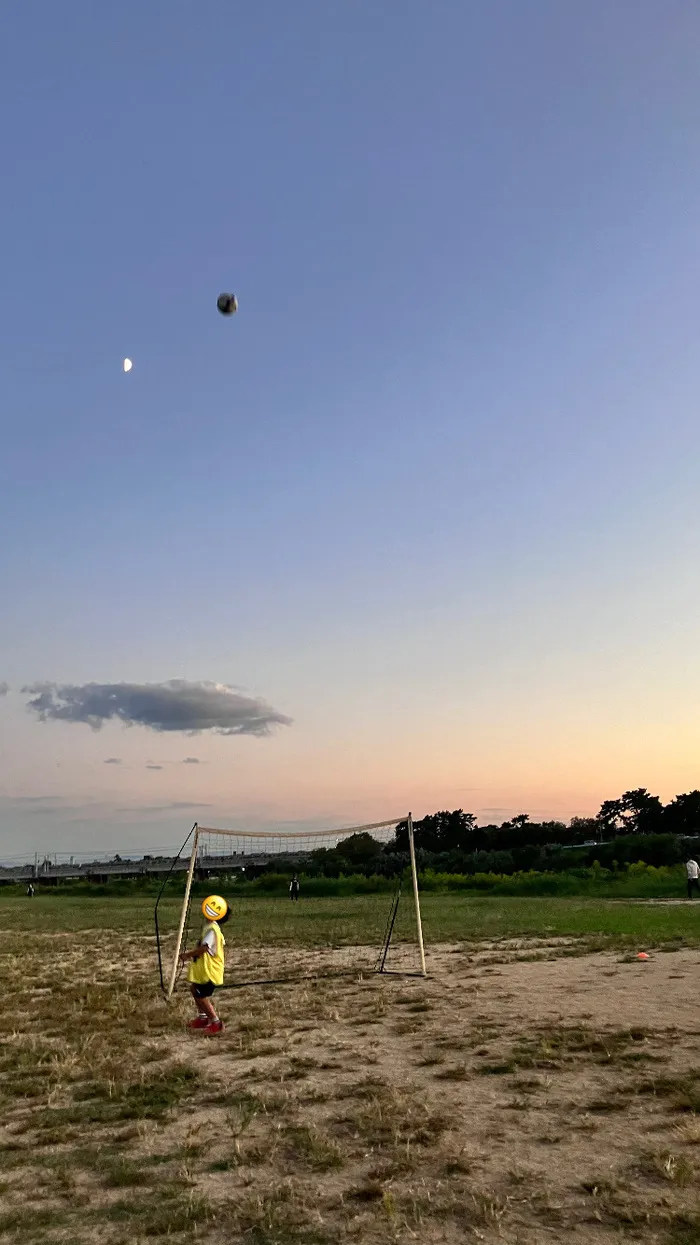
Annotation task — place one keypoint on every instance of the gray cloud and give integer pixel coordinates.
(43, 805)
(173, 706)
(191, 761)
(154, 767)
(4, 689)
(90, 811)
(33, 799)
(174, 806)
(113, 761)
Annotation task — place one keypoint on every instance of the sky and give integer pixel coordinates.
(417, 527)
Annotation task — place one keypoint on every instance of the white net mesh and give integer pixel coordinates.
(254, 849)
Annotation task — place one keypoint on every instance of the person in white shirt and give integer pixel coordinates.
(693, 872)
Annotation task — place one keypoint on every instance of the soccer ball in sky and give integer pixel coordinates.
(227, 304)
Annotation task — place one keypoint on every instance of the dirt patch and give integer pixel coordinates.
(524, 1092)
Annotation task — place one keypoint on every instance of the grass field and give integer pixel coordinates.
(361, 918)
(540, 1085)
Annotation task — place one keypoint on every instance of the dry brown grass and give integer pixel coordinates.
(352, 1110)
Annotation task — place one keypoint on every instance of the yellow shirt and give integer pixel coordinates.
(209, 966)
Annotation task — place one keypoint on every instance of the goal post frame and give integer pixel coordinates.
(183, 914)
(416, 896)
(199, 831)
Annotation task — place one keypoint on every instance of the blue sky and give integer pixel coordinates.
(432, 493)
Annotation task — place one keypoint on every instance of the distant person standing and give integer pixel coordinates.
(294, 889)
(30, 891)
(693, 872)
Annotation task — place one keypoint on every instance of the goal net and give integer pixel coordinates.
(303, 904)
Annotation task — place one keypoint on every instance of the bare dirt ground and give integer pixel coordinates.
(525, 1092)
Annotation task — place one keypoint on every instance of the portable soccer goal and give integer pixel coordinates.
(303, 904)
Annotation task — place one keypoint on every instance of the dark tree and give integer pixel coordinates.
(359, 850)
(440, 832)
(583, 829)
(610, 818)
(642, 813)
(682, 815)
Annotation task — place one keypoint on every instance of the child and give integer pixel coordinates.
(206, 970)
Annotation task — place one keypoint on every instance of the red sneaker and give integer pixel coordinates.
(200, 1022)
(215, 1027)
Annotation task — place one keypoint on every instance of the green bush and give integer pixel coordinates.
(637, 880)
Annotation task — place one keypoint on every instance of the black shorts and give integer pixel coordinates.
(203, 990)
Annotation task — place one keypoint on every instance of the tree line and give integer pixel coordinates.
(636, 826)
(634, 812)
